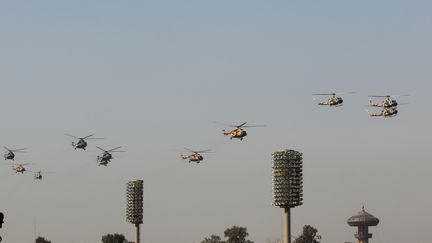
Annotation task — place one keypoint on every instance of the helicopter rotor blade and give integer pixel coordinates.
(325, 94)
(101, 149)
(19, 150)
(342, 93)
(379, 96)
(42, 172)
(89, 137)
(112, 150)
(256, 126)
(67, 134)
(23, 164)
(206, 151)
(244, 123)
(6, 148)
(224, 124)
(190, 150)
(388, 96)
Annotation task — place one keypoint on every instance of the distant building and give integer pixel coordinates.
(363, 220)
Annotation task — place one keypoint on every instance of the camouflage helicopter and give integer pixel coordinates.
(387, 103)
(238, 132)
(81, 144)
(19, 168)
(10, 152)
(196, 155)
(334, 101)
(106, 156)
(386, 112)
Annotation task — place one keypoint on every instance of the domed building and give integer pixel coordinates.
(363, 220)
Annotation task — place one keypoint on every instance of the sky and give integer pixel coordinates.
(154, 76)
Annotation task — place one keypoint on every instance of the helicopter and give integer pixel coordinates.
(386, 112)
(19, 168)
(81, 144)
(106, 156)
(196, 155)
(10, 152)
(238, 132)
(38, 174)
(387, 103)
(334, 100)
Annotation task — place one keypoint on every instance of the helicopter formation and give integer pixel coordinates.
(19, 168)
(103, 159)
(388, 106)
(238, 132)
(106, 156)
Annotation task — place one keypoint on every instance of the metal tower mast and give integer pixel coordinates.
(134, 206)
(287, 184)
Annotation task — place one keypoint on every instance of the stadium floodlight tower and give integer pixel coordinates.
(362, 220)
(287, 184)
(134, 205)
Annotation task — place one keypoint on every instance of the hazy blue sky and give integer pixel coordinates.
(153, 76)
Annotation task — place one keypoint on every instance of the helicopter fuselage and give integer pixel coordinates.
(38, 176)
(194, 157)
(9, 155)
(388, 103)
(19, 168)
(236, 133)
(386, 112)
(104, 159)
(81, 144)
(103, 162)
(333, 101)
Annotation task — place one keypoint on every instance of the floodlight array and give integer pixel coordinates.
(287, 179)
(134, 206)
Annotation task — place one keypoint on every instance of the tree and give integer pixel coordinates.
(115, 238)
(236, 234)
(309, 235)
(212, 239)
(41, 240)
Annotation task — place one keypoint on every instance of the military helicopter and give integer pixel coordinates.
(196, 155)
(238, 132)
(19, 168)
(386, 112)
(81, 144)
(387, 103)
(38, 174)
(10, 152)
(106, 156)
(332, 101)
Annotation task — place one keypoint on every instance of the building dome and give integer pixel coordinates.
(363, 218)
